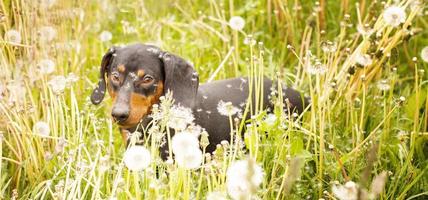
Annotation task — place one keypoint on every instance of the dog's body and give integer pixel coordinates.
(236, 91)
(139, 74)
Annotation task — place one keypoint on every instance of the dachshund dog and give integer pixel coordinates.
(136, 76)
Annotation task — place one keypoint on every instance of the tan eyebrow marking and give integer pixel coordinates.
(140, 73)
(121, 68)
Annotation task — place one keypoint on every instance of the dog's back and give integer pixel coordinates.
(212, 95)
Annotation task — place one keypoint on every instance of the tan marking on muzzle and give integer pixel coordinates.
(140, 106)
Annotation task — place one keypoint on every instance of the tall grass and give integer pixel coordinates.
(354, 130)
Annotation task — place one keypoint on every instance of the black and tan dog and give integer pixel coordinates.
(137, 75)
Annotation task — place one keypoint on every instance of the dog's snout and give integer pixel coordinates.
(120, 114)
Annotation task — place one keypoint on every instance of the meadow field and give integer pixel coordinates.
(363, 64)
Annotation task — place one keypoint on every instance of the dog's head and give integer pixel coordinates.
(137, 75)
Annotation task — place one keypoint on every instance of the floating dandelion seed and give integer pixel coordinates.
(47, 33)
(41, 128)
(105, 36)
(236, 23)
(363, 60)
(226, 108)
(12, 36)
(46, 66)
(137, 158)
(243, 178)
(349, 191)
(424, 54)
(183, 142)
(394, 16)
(191, 159)
(57, 84)
(179, 117)
(383, 85)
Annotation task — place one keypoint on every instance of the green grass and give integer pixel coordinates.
(353, 130)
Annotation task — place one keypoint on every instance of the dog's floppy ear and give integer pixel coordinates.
(180, 78)
(98, 94)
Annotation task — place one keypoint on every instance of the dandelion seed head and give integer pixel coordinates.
(364, 30)
(12, 36)
(329, 47)
(394, 16)
(137, 158)
(236, 23)
(179, 117)
(105, 36)
(190, 159)
(316, 68)
(183, 142)
(424, 54)
(41, 128)
(243, 178)
(383, 85)
(227, 108)
(47, 33)
(270, 119)
(363, 60)
(46, 66)
(71, 78)
(57, 84)
(349, 191)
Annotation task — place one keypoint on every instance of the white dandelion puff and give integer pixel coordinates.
(227, 108)
(183, 142)
(41, 128)
(236, 23)
(270, 119)
(364, 30)
(105, 36)
(316, 68)
(46, 66)
(383, 85)
(243, 178)
(13, 36)
(394, 16)
(191, 159)
(47, 33)
(137, 158)
(363, 60)
(179, 117)
(349, 191)
(424, 54)
(57, 84)
(71, 78)
(16, 91)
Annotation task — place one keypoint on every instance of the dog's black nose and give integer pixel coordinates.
(120, 114)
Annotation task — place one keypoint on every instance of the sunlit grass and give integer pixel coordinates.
(364, 121)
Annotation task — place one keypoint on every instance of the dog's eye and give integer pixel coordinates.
(147, 79)
(115, 77)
